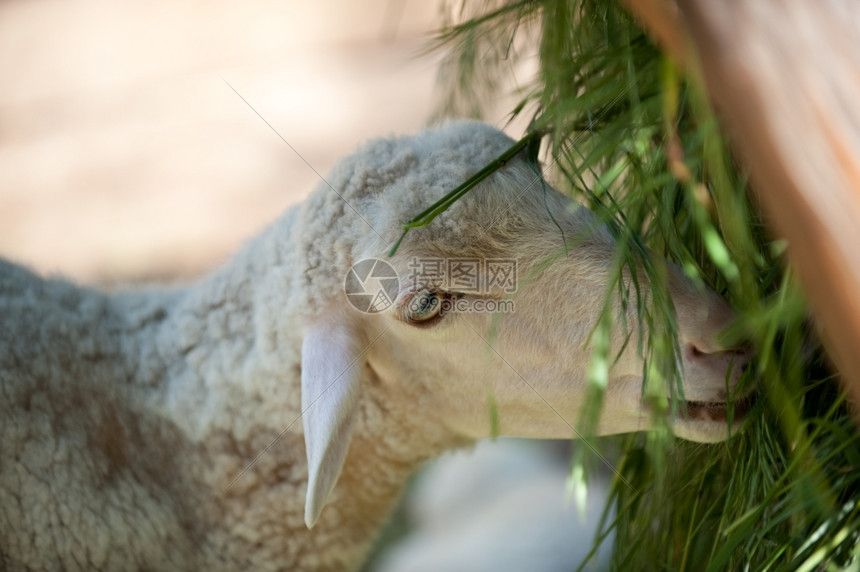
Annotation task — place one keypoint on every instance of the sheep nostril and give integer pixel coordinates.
(695, 351)
(740, 355)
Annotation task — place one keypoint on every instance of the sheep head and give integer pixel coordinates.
(490, 302)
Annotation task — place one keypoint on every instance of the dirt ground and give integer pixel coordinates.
(126, 154)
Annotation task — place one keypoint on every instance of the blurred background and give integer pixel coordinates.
(127, 156)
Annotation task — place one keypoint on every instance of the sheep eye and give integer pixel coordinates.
(423, 306)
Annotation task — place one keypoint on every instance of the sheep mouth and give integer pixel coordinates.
(715, 410)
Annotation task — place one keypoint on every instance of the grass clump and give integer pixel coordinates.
(637, 142)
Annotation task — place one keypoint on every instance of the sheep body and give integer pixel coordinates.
(126, 417)
(206, 427)
(119, 447)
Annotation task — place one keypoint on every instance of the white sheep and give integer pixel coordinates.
(256, 420)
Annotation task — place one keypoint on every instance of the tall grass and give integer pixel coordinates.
(631, 137)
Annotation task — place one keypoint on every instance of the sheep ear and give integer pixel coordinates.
(332, 361)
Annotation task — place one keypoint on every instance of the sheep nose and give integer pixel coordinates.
(713, 357)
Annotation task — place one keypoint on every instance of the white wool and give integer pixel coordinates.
(161, 429)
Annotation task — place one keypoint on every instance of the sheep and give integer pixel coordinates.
(258, 420)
